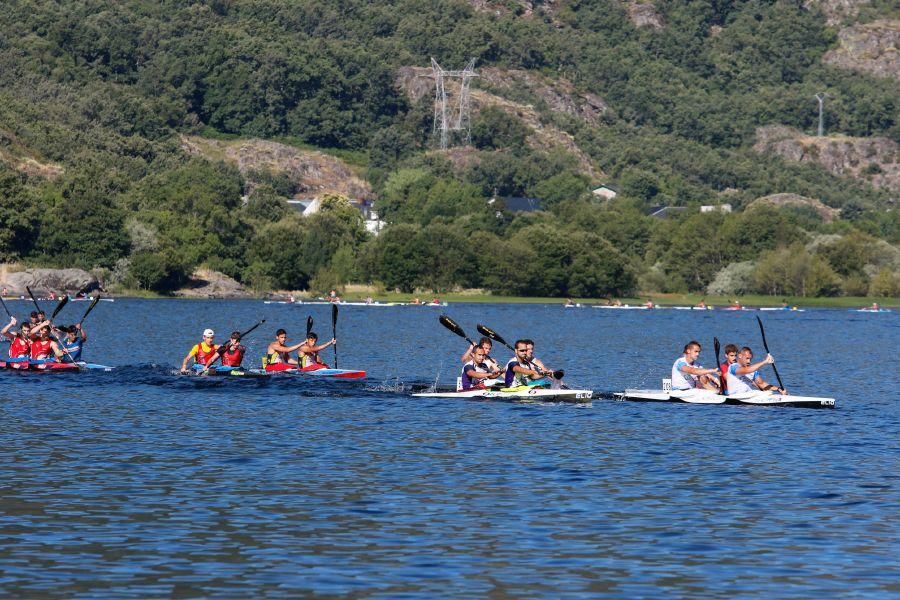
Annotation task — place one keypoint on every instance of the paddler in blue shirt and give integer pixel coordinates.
(70, 351)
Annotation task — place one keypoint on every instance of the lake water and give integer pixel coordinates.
(143, 483)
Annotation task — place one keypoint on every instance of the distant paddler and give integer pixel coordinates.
(688, 375)
(203, 352)
(744, 376)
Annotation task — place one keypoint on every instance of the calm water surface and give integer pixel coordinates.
(143, 483)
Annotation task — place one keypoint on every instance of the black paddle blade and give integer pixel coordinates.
(486, 331)
(36, 305)
(309, 324)
(452, 325)
(90, 308)
(716, 346)
(334, 313)
(559, 374)
(762, 331)
(59, 307)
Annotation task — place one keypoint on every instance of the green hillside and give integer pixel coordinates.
(95, 96)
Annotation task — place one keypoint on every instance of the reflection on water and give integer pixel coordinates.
(142, 483)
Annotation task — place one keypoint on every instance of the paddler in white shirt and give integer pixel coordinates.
(744, 377)
(687, 375)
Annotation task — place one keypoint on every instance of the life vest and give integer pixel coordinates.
(203, 356)
(40, 349)
(18, 348)
(275, 358)
(232, 357)
(309, 358)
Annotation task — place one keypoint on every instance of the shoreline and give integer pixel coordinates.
(660, 300)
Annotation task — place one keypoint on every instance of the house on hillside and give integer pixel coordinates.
(310, 206)
(606, 192)
(707, 208)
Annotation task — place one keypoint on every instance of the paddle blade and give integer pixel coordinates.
(762, 331)
(488, 332)
(59, 307)
(33, 299)
(717, 347)
(309, 325)
(452, 325)
(334, 313)
(559, 374)
(90, 308)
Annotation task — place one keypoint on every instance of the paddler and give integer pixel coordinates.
(44, 347)
(475, 371)
(520, 370)
(486, 344)
(72, 344)
(744, 377)
(731, 352)
(231, 352)
(687, 375)
(308, 353)
(19, 343)
(202, 352)
(278, 353)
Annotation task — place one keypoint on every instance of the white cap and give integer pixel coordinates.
(208, 332)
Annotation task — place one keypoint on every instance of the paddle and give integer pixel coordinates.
(455, 328)
(309, 324)
(36, 305)
(59, 307)
(8, 314)
(721, 378)
(334, 313)
(762, 331)
(559, 374)
(90, 308)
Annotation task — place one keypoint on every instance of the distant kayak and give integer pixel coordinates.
(623, 307)
(49, 366)
(516, 394)
(757, 398)
(871, 310)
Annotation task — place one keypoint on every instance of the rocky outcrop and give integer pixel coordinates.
(312, 173)
(868, 48)
(560, 96)
(44, 281)
(205, 283)
(836, 11)
(827, 213)
(643, 14)
(875, 160)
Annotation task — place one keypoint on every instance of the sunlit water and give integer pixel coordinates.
(141, 482)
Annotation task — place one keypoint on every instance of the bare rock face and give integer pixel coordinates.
(876, 160)
(836, 11)
(44, 281)
(643, 14)
(827, 213)
(205, 283)
(315, 173)
(869, 48)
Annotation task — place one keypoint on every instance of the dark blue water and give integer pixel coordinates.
(142, 483)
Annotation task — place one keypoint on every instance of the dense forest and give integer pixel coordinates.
(94, 95)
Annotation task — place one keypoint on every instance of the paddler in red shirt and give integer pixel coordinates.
(232, 353)
(202, 353)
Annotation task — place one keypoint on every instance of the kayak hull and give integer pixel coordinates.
(520, 394)
(318, 371)
(707, 397)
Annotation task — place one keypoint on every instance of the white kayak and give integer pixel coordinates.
(516, 394)
(623, 307)
(707, 397)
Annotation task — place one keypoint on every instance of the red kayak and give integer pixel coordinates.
(25, 365)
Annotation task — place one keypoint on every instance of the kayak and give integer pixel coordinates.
(871, 310)
(758, 398)
(314, 370)
(515, 394)
(220, 371)
(623, 307)
(50, 366)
